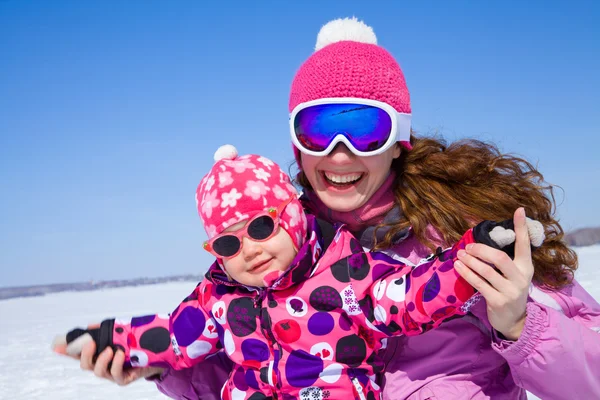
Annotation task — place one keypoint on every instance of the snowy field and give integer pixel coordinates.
(31, 371)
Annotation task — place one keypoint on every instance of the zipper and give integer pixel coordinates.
(259, 298)
(274, 347)
(358, 389)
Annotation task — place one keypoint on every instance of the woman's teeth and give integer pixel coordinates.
(342, 179)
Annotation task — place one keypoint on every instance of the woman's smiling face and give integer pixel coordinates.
(344, 181)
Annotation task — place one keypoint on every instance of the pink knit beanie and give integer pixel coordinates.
(239, 187)
(347, 62)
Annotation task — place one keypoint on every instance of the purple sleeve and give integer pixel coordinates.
(558, 353)
(205, 379)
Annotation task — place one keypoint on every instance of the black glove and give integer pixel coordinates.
(73, 342)
(501, 235)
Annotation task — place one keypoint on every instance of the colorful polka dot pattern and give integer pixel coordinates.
(315, 333)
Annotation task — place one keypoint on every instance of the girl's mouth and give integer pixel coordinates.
(260, 267)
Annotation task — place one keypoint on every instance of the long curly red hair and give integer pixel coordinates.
(453, 187)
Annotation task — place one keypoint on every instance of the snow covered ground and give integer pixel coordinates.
(31, 371)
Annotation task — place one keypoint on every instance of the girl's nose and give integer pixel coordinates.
(250, 249)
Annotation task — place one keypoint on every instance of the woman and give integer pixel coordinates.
(409, 196)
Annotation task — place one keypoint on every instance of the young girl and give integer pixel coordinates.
(298, 306)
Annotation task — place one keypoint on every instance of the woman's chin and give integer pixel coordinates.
(342, 202)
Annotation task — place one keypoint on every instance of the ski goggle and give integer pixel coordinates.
(366, 127)
(262, 227)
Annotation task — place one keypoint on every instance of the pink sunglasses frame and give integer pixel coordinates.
(273, 212)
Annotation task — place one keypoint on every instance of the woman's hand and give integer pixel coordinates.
(506, 292)
(116, 373)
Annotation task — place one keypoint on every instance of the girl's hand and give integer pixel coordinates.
(116, 373)
(506, 292)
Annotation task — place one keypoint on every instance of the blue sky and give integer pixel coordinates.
(110, 111)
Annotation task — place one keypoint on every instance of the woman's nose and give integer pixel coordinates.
(341, 154)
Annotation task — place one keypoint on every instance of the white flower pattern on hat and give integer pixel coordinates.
(229, 199)
(294, 213)
(265, 161)
(240, 216)
(239, 165)
(225, 179)
(279, 193)
(255, 189)
(209, 203)
(210, 182)
(262, 174)
(211, 230)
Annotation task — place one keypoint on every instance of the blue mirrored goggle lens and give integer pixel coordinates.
(368, 128)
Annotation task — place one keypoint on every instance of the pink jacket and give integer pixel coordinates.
(557, 356)
(316, 331)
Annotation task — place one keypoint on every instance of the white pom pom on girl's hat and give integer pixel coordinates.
(343, 29)
(225, 152)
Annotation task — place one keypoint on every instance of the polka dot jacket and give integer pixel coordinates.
(315, 332)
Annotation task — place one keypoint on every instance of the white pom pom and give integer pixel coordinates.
(343, 29)
(536, 232)
(503, 237)
(225, 152)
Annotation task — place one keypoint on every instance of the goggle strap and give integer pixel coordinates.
(403, 122)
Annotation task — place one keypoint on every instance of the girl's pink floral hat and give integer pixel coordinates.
(238, 187)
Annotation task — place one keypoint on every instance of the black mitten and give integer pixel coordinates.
(501, 235)
(73, 342)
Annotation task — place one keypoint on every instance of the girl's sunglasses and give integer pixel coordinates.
(260, 228)
(366, 127)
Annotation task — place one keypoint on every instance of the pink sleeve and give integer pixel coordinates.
(180, 340)
(409, 302)
(558, 353)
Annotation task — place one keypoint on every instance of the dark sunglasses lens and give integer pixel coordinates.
(226, 246)
(261, 228)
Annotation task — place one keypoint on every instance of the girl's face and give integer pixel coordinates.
(345, 181)
(258, 259)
